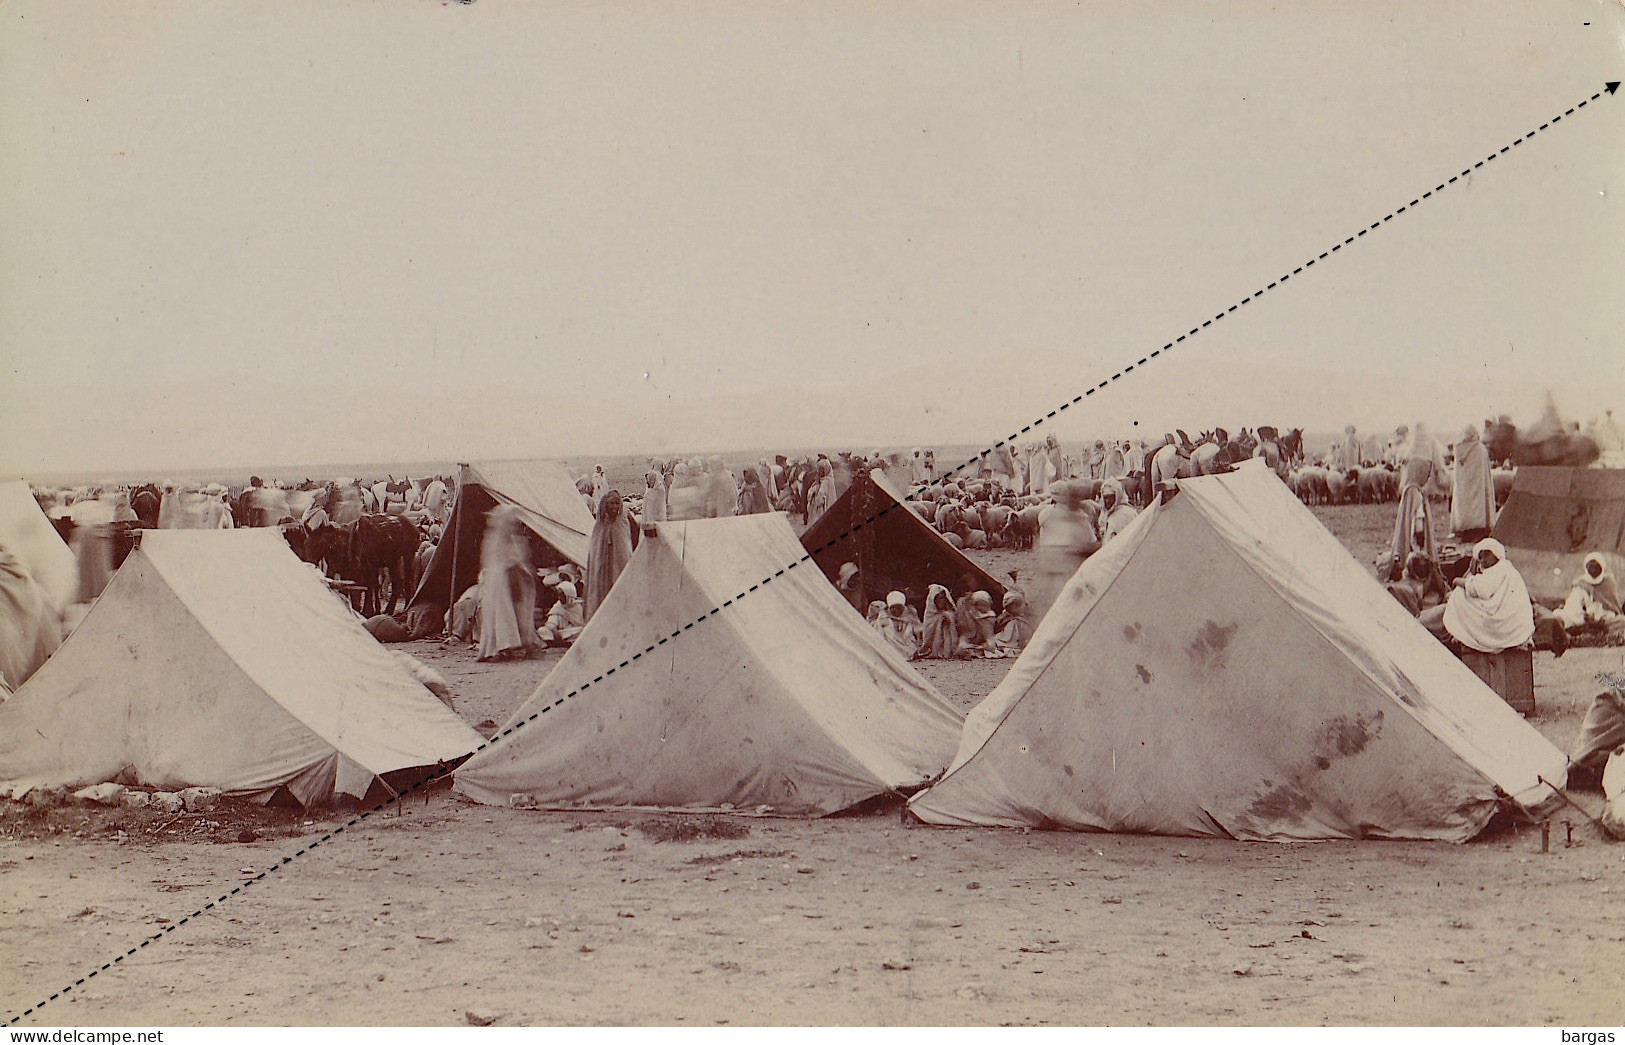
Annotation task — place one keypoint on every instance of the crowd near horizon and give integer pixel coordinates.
(369, 535)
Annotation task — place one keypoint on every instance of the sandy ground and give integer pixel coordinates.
(427, 913)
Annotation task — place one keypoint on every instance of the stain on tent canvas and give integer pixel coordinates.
(1207, 649)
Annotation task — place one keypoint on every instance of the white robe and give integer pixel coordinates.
(1491, 612)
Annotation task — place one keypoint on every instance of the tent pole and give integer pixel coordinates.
(454, 526)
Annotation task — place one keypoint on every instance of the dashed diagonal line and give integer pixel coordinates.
(1105, 383)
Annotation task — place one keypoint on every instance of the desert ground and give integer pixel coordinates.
(442, 911)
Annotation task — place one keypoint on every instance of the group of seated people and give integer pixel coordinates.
(1489, 609)
(967, 628)
(559, 606)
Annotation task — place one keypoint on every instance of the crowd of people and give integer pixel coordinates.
(1065, 505)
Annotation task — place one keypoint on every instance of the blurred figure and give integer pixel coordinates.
(436, 499)
(92, 544)
(654, 501)
(600, 484)
(822, 494)
(1115, 511)
(686, 499)
(1423, 458)
(1348, 453)
(507, 610)
(753, 498)
(30, 630)
(1066, 538)
(1472, 491)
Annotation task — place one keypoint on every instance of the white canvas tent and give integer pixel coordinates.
(549, 505)
(29, 535)
(216, 658)
(785, 699)
(1224, 667)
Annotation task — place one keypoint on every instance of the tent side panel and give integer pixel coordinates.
(304, 649)
(695, 723)
(1172, 711)
(141, 689)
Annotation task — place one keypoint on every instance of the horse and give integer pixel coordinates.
(1291, 445)
(377, 546)
(146, 501)
(403, 490)
(1501, 440)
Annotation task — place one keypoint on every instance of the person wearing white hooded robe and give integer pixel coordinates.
(1594, 598)
(1489, 609)
(1472, 492)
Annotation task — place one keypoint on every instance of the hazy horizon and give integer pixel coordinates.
(369, 232)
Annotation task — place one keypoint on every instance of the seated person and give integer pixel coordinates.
(1594, 599)
(462, 620)
(1489, 609)
(850, 585)
(977, 640)
(939, 634)
(565, 618)
(900, 625)
(1421, 587)
(1015, 630)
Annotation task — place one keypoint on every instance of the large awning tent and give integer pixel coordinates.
(894, 549)
(548, 504)
(1224, 667)
(27, 533)
(1554, 517)
(215, 658)
(783, 699)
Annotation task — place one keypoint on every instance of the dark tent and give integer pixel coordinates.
(549, 506)
(894, 549)
(1554, 517)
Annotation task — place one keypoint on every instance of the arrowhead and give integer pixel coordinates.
(1612, 86)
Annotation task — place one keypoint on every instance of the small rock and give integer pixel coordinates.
(135, 800)
(167, 802)
(199, 799)
(896, 966)
(101, 794)
(973, 885)
(522, 801)
(48, 796)
(246, 835)
(480, 1019)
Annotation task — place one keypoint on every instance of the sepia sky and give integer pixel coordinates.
(240, 234)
